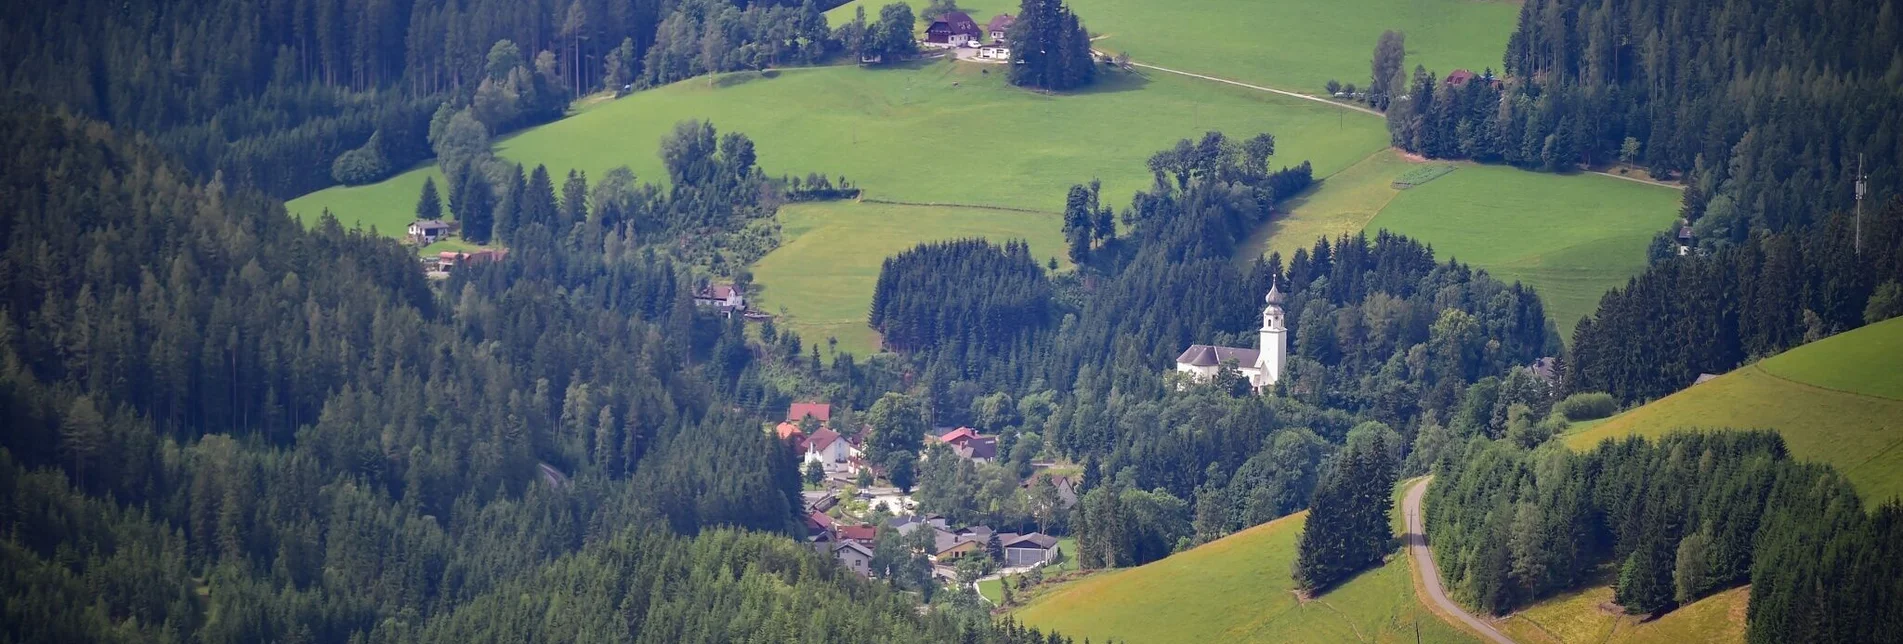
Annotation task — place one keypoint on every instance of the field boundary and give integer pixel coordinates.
(1258, 88)
(939, 204)
(1759, 367)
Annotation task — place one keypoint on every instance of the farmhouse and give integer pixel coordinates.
(428, 231)
(725, 298)
(1262, 366)
(828, 448)
(954, 29)
(999, 26)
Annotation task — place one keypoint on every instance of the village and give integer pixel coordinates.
(845, 514)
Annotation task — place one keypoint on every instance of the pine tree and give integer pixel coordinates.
(429, 206)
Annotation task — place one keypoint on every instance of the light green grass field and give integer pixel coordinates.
(937, 132)
(827, 265)
(1584, 617)
(1297, 45)
(1342, 204)
(1838, 401)
(1238, 589)
(1571, 237)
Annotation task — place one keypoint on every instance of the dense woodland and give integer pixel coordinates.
(1763, 108)
(271, 94)
(1673, 521)
(1709, 313)
(226, 427)
(907, 311)
(1050, 48)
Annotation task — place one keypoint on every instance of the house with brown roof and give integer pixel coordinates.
(725, 298)
(828, 448)
(954, 29)
(862, 533)
(999, 26)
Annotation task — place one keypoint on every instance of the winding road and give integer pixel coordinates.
(1416, 539)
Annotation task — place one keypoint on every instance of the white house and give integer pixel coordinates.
(1262, 365)
(428, 231)
(854, 556)
(828, 448)
(998, 50)
(724, 297)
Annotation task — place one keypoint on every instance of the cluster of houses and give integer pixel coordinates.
(958, 29)
(841, 457)
(853, 544)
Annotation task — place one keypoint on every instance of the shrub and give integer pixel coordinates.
(362, 165)
(1587, 406)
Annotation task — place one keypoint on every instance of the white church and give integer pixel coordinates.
(1261, 365)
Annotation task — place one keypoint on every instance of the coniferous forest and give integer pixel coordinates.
(1763, 109)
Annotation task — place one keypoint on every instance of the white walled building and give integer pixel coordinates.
(1262, 365)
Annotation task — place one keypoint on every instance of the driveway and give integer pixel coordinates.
(1416, 539)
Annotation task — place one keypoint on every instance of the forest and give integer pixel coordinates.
(1710, 313)
(1675, 520)
(1764, 110)
(360, 456)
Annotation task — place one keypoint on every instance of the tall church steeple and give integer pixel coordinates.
(1274, 338)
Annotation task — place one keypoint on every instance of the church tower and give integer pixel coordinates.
(1274, 353)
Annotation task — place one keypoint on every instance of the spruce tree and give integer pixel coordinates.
(429, 207)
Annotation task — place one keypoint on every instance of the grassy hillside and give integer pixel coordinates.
(824, 271)
(1586, 617)
(1298, 45)
(1838, 400)
(1238, 589)
(933, 132)
(1573, 237)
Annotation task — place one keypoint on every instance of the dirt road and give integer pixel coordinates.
(1416, 539)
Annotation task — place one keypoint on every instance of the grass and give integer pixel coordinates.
(1584, 617)
(1238, 589)
(1342, 204)
(824, 271)
(1422, 174)
(1571, 237)
(937, 132)
(1838, 401)
(1298, 45)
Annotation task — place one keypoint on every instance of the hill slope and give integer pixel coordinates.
(1238, 589)
(1838, 400)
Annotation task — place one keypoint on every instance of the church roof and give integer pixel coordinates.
(1203, 355)
(1274, 296)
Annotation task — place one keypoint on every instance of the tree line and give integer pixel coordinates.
(1709, 313)
(1766, 141)
(1679, 518)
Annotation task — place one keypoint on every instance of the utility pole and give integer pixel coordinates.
(1862, 187)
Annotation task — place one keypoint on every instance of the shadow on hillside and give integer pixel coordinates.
(741, 78)
(1110, 81)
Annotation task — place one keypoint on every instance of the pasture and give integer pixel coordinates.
(938, 132)
(1238, 589)
(1571, 237)
(1838, 400)
(1586, 617)
(819, 281)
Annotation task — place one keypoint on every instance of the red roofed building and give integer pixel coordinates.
(1459, 77)
(860, 533)
(821, 412)
(959, 435)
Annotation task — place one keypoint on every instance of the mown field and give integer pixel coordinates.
(1238, 589)
(1838, 400)
(930, 132)
(1295, 45)
(1572, 237)
(820, 280)
(1586, 617)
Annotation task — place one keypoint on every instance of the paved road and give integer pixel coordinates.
(1416, 538)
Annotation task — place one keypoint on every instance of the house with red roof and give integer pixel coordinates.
(820, 411)
(968, 444)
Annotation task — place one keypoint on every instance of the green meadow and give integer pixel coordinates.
(937, 132)
(819, 282)
(1838, 400)
(1238, 589)
(1571, 237)
(1588, 616)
